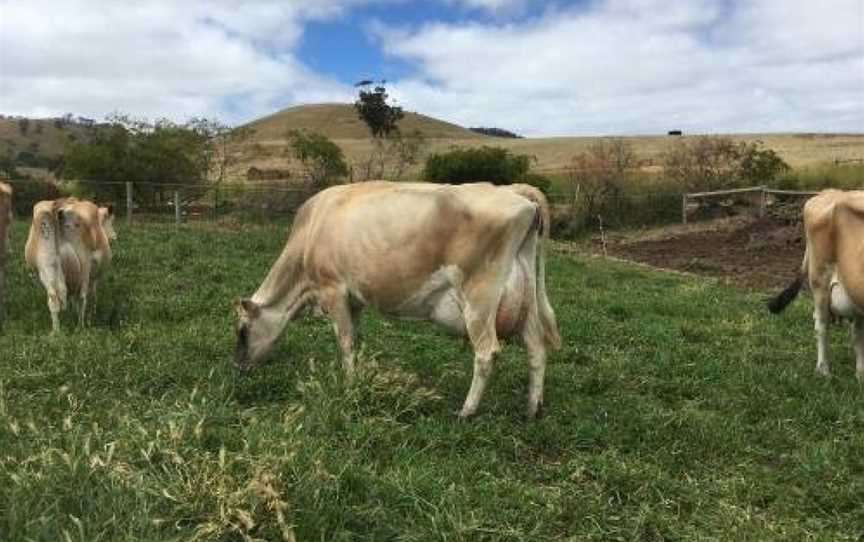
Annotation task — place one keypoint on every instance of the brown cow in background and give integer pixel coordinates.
(5, 246)
(67, 244)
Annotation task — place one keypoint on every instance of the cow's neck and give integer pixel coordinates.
(285, 290)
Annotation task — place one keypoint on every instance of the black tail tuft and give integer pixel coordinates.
(785, 297)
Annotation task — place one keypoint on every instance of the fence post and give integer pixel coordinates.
(176, 208)
(128, 203)
(763, 201)
(216, 204)
(684, 208)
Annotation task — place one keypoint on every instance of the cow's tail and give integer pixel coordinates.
(49, 223)
(784, 298)
(551, 336)
(547, 316)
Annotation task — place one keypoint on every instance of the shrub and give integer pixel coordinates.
(542, 182)
(492, 164)
(322, 159)
(28, 191)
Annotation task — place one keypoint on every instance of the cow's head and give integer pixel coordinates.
(256, 333)
(106, 220)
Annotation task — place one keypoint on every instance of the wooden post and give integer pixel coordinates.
(684, 208)
(763, 197)
(128, 203)
(216, 204)
(177, 208)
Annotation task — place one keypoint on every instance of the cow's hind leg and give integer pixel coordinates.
(821, 318)
(83, 292)
(55, 288)
(858, 346)
(533, 337)
(54, 306)
(480, 323)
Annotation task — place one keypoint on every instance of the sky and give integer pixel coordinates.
(538, 68)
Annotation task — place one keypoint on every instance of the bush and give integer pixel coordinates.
(27, 192)
(491, 164)
(541, 182)
(322, 159)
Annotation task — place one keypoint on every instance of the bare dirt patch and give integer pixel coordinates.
(754, 253)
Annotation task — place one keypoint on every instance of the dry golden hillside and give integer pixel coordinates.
(45, 137)
(267, 147)
(340, 121)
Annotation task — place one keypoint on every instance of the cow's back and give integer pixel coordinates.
(387, 240)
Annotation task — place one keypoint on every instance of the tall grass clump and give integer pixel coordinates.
(827, 175)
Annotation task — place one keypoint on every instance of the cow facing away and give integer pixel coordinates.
(834, 265)
(468, 257)
(67, 244)
(5, 245)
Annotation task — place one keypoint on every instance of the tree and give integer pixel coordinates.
(373, 109)
(709, 163)
(758, 165)
(322, 159)
(704, 163)
(406, 150)
(215, 140)
(125, 149)
(597, 176)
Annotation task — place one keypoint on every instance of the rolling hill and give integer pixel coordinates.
(43, 137)
(266, 149)
(340, 121)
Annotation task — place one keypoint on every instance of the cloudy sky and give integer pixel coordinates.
(540, 68)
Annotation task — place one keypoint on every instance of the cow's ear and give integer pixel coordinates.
(110, 208)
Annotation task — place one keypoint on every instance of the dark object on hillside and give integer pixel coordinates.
(257, 174)
(675, 132)
(495, 132)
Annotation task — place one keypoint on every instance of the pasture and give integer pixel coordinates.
(677, 409)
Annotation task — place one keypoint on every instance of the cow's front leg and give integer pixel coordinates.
(344, 319)
(858, 346)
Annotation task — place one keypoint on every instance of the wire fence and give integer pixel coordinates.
(576, 209)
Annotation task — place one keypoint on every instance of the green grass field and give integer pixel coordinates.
(677, 410)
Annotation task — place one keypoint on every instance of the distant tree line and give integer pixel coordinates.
(495, 132)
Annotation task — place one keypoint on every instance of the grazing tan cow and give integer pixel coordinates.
(67, 244)
(5, 245)
(834, 265)
(464, 256)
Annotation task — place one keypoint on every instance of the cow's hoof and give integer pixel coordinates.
(537, 413)
(823, 371)
(466, 415)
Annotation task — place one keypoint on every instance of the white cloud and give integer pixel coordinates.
(492, 6)
(603, 66)
(644, 66)
(158, 58)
